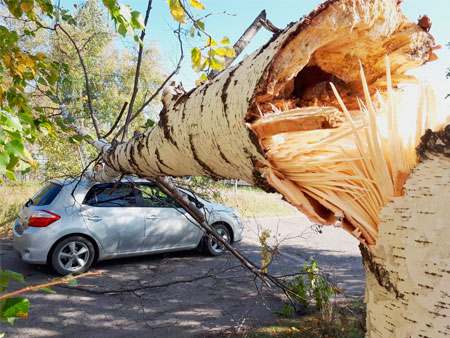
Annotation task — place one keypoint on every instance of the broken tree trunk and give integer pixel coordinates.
(408, 271)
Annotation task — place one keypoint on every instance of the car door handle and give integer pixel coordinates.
(151, 217)
(94, 218)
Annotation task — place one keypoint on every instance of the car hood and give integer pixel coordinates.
(214, 207)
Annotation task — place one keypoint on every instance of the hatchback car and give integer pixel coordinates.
(71, 224)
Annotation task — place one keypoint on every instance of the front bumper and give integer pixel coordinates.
(32, 245)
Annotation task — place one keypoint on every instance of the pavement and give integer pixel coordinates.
(183, 294)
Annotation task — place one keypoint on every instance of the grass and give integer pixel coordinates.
(251, 202)
(12, 198)
(346, 320)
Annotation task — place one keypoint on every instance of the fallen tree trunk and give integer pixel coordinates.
(226, 128)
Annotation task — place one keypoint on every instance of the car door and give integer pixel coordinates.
(166, 226)
(113, 216)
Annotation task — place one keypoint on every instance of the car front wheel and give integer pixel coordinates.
(73, 254)
(213, 246)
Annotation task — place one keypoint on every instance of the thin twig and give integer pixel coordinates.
(56, 282)
(138, 71)
(86, 78)
(117, 120)
(209, 274)
(175, 71)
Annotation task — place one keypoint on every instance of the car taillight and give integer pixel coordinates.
(42, 218)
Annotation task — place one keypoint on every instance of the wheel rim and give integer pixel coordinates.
(73, 256)
(215, 244)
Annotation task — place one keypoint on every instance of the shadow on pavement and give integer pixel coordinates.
(228, 298)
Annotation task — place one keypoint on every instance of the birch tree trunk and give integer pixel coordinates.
(408, 271)
(255, 120)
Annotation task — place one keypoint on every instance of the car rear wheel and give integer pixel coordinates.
(213, 246)
(73, 254)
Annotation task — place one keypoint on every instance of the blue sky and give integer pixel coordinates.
(281, 12)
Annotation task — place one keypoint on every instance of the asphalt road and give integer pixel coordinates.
(205, 296)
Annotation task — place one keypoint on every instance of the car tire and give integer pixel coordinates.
(74, 254)
(213, 246)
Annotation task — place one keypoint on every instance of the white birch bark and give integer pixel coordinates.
(206, 131)
(408, 271)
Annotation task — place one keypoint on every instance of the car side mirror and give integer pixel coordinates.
(199, 205)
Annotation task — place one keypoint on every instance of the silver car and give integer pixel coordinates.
(71, 224)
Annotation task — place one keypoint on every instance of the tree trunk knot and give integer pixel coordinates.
(380, 273)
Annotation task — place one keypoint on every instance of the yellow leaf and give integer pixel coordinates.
(29, 62)
(27, 6)
(21, 314)
(177, 11)
(7, 61)
(21, 68)
(221, 51)
(197, 4)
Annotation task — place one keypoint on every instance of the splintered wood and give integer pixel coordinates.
(351, 168)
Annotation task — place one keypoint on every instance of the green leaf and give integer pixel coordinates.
(4, 161)
(47, 289)
(225, 40)
(149, 123)
(60, 123)
(137, 21)
(110, 4)
(14, 148)
(199, 24)
(4, 281)
(2, 136)
(72, 282)
(122, 29)
(12, 123)
(12, 274)
(192, 32)
(10, 175)
(12, 162)
(75, 139)
(16, 307)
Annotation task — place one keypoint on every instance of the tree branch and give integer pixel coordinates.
(86, 78)
(138, 70)
(117, 120)
(243, 42)
(169, 189)
(56, 282)
(155, 94)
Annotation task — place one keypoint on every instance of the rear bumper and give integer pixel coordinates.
(32, 245)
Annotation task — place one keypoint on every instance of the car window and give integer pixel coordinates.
(109, 195)
(153, 197)
(47, 194)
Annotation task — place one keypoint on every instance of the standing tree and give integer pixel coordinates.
(290, 118)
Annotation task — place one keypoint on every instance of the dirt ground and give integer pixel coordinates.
(183, 294)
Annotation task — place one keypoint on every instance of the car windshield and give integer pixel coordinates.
(47, 194)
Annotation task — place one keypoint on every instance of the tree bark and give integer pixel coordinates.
(408, 271)
(207, 131)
